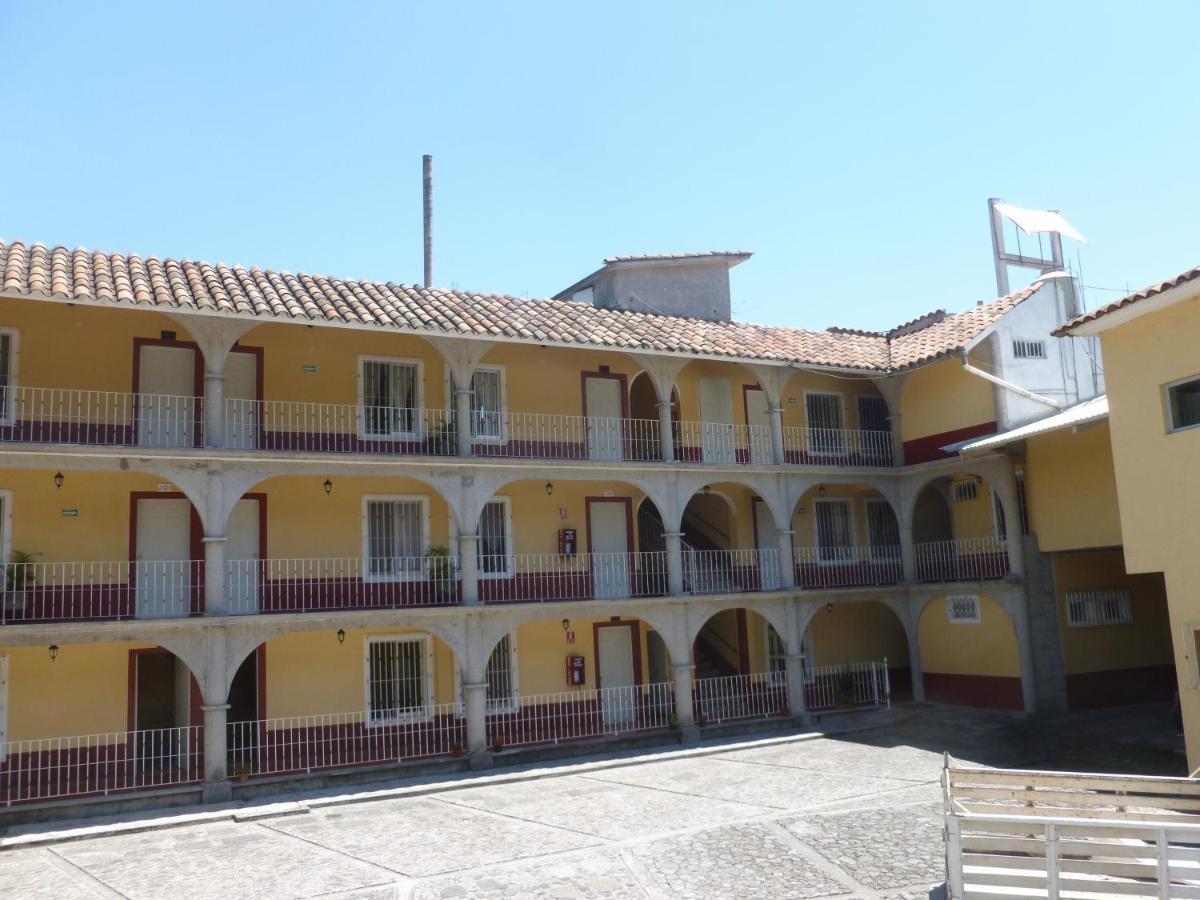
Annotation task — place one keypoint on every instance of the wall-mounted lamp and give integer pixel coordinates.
(328, 486)
(549, 488)
(821, 491)
(59, 478)
(704, 490)
(566, 624)
(828, 607)
(53, 652)
(341, 635)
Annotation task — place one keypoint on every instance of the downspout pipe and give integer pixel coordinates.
(1009, 386)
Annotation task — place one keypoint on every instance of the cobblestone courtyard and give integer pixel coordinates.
(852, 815)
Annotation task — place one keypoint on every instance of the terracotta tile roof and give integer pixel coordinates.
(167, 285)
(1129, 300)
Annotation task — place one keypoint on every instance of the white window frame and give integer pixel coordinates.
(1168, 414)
(3, 707)
(852, 525)
(880, 501)
(418, 410)
(509, 557)
(963, 620)
(452, 405)
(841, 399)
(1021, 348)
(427, 661)
(8, 414)
(367, 500)
(1094, 600)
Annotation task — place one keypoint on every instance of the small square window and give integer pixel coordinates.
(1023, 349)
(963, 609)
(1183, 404)
(966, 491)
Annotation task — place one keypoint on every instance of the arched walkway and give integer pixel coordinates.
(970, 652)
(846, 535)
(844, 634)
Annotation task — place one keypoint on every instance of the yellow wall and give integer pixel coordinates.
(1071, 489)
(84, 691)
(1144, 642)
(310, 673)
(941, 397)
(986, 648)
(858, 632)
(542, 652)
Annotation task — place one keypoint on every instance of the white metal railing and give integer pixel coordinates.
(100, 418)
(826, 567)
(534, 577)
(54, 768)
(730, 571)
(848, 685)
(306, 585)
(717, 442)
(66, 591)
(295, 744)
(290, 425)
(584, 713)
(723, 698)
(551, 436)
(966, 559)
(837, 446)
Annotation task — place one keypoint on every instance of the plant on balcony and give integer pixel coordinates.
(19, 576)
(441, 571)
(443, 440)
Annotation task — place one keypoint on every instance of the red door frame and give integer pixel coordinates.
(628, 501)
(635, 639)
(623, 383)
(198, 360)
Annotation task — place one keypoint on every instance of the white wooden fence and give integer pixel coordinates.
(1060, 834)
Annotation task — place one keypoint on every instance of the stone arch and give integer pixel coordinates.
(765, 487)
(917, 486)
(867, 629)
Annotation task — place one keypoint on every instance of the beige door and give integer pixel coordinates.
(164, 573)
(768, 547)
(759, 420)
(618, 690)
(608, 531)
(716, 420)
(604, 432)
(242, 558)
(166, 404)
(242, 414)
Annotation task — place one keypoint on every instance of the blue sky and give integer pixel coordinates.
(852, 146)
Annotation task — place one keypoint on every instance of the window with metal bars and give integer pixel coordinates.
(495, 552)
(1089, 609)
(487, 403)
(501, 675)
(966, 491)
(835, 531)
(1027, 349)
(825, 434)
(7, 374)
(963, 609)
(398, 678)
(390, 399)
(1183, 404)
(1001, 520)
(395, 537)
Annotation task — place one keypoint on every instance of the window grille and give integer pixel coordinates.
(1090, 609)
(966, 491)
(397, 679)
(493, 545)
(883, 532)
(963, 608)
(833, 529)
(389, 397)
(501, 675)
(1023, 349)
(395, 538)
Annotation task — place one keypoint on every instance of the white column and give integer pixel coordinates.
(468, 566)
(795, 684)
(216, 777)
(475, 708)
(666, 436)
(1020, 617)
(915, 669)
(674, 542)
(214, 408)
(1006, 492)
(787, 562)
(462, 418)
(214, 575)
(778, 454)
(683, 676)
(908, 553)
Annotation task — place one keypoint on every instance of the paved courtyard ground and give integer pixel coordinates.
(855, 814)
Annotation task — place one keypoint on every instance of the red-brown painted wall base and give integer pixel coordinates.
(925, 449)
(987, 691)
(1117, 687)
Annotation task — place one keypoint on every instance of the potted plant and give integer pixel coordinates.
(443, 440)
(498, 742)
(242, 771)
(19, 577)
(441, 572)
(456, 749)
